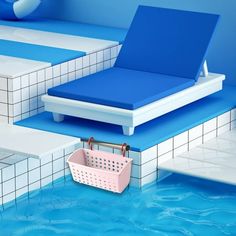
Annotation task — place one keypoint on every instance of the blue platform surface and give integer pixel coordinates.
(146, 135)
(38, 53)
(122, 88)
(167, 41)
(71, 28)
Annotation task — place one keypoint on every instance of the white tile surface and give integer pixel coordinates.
(195, 132)
(233, 114)
(210, 125)
(46, 170)
(223, 129)
(34, 186)
(21, 167)
(223, 119)
(3, 83)
(9, 197)
(8, 173)
(58, 175)
(165, 157)
(58, 165)
(149, 154)
(21, 181)
(88, 45)
(8, 186)
(209, 136)
(4, 154)
(229, 136)
(222, 145)
(47, 181)
(200, 169)
(21, 192)
(180, 139)
(214, 160)
(3, 96)
(148, 168)
(165, 147)
(11, 67)
(182, 149)
(149, 178)
(17, 139)
(211, 156)
(194, 143)
(34, 175)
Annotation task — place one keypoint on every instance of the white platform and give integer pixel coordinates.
(77, 43)
(11, 67)
(215, 160)
(31, 142)
(129, 119)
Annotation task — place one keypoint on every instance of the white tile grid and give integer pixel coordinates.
(145, 164)
(27, 174)
(196, 136)
(20, 97)
(21, 174)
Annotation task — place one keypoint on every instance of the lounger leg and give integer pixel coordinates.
(58, 117)
(128, 130)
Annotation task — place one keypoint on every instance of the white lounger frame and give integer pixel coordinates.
(129, 119)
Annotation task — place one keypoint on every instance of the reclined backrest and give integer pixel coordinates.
(167, 41)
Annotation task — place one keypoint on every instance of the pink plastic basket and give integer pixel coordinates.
(100, 169)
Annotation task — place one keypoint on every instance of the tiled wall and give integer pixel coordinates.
(145, 164)
(21, 97)
(21, 174)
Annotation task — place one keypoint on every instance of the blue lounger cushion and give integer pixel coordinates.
(122, 88)
(167, 41)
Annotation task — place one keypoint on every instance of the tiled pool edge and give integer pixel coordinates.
(145, 164)
(29, 174)
(20, 97)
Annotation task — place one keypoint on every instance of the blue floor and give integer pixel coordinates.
(177, 206)
(146, 135)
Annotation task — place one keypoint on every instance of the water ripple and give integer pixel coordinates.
(177, 206)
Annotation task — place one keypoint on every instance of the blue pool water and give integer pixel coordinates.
(177, 206)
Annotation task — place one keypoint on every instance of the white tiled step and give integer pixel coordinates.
(200, 169)
(221, 145)
(13, 67)
(31, 142)
(214, 160)
(230, 136)
(211, 156)
(88, 45)
(31, 159)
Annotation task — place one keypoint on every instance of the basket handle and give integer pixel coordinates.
(91, 139)
(123, 149)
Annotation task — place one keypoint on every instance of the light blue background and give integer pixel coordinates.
(119, 13)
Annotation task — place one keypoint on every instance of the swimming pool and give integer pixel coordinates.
(178, 205)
